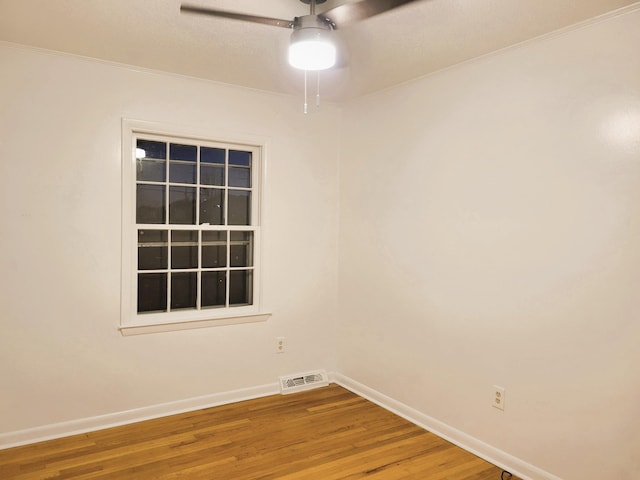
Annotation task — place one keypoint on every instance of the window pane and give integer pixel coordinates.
(152, 292)
(151, 149)
(211, 206)
(188, 153)
(182, 172)
(236, 157)
(214, 285)
(184, 249)
(152, 249)
(183, 290)
(241, 287)
(241, 254)
(150, 204)
(239, 207)
(182, 205)
(150, 170)
(212, 175)
(214, 249)
(239, 177)
(212, 155)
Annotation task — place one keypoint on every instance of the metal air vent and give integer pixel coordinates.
(303, 381)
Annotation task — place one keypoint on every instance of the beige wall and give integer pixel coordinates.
(490, 235)
(61, 355)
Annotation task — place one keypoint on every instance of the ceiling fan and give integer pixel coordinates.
(312, 46)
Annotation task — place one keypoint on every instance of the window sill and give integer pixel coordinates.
(158, 327)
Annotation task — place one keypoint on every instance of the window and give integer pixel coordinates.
(191, 231)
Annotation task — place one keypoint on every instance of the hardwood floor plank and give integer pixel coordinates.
(327, 433)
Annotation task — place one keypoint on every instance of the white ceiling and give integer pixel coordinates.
(385, 50)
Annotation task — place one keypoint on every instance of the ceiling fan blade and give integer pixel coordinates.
(276, 22)
(352, 12)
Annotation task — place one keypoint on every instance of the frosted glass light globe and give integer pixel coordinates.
(312, 46)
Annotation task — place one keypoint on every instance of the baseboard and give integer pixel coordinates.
(83, 425)
(483, 450)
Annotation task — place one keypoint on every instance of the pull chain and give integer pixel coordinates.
(305, 92)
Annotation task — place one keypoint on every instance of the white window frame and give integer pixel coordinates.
(131, 322)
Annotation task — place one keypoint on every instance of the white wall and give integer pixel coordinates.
(490, 234)
(61, 355)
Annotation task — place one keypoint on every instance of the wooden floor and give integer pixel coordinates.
(327, 433)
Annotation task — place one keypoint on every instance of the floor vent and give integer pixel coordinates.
(303, 381)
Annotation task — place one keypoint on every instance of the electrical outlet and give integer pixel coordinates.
(279, 344)
(498, 397)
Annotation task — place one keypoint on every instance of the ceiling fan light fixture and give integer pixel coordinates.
(312, 46)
